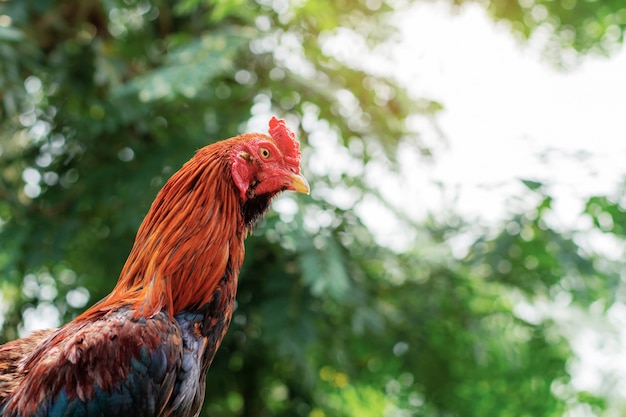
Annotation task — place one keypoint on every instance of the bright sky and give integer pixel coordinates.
(507, 115)
(504, 107)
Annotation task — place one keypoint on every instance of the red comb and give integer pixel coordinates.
(286, 141)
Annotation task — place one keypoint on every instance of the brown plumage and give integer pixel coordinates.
(11, 354)
(145, 348)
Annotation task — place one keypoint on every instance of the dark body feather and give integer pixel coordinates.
(160, 372)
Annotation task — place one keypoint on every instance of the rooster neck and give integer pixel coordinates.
(190, 239)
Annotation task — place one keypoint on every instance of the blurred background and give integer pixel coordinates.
(461, 253)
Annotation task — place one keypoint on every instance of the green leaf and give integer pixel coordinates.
(532, 185)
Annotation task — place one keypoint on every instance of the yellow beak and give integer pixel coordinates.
(299, 184)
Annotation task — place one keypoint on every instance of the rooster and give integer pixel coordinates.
(144, 349)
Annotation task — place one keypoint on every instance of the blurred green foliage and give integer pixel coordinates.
(103, 100)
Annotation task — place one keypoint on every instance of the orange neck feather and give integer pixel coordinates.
(192, 234)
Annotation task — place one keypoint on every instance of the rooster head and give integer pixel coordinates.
(263, 165)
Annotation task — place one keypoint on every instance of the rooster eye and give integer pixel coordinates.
(265, 153)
